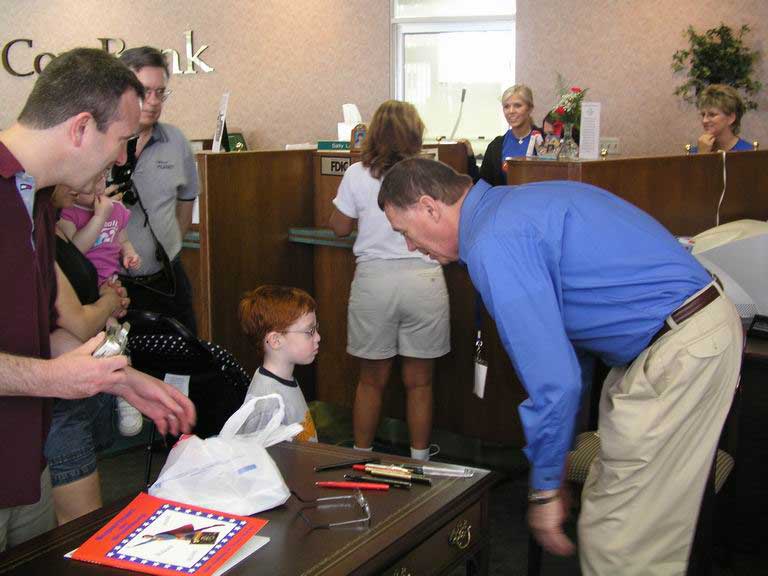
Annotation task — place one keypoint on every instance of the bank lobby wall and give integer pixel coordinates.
(291, 65)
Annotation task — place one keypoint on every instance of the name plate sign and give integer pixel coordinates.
(334, 165)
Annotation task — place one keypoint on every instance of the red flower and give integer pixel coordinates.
(575, 89)
(557, 128)
(560, 110)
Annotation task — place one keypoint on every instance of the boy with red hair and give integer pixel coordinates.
(281, 322)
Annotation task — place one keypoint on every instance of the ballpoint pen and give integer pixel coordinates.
(389, 481)
(395, 472)
(352, 485)
(455, 471)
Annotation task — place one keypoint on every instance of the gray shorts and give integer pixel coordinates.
(398, 307)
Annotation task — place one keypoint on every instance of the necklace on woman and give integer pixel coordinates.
(520, 140)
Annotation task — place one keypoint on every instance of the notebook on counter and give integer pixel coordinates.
(159, 536)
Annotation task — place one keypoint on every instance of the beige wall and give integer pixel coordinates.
(291, 64)
(622, 51)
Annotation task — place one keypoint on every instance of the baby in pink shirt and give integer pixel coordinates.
(96, 225)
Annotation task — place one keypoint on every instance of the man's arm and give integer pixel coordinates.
(74, 374)
(184, 215)
(517, 288)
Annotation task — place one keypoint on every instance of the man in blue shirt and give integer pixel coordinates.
(563, 266)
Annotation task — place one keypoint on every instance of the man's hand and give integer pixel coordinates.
(546, 523)
(706, 142)
(80, 375)
(171, 411)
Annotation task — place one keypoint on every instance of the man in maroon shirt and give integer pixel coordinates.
(82, 111)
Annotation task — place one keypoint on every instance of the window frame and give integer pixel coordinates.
(400, 27)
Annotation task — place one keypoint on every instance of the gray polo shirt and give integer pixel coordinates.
(165, 173)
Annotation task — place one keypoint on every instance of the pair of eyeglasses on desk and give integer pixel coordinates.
(350, 500)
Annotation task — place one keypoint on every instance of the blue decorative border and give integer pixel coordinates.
(116, 551)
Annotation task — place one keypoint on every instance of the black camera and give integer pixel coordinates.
(121, 175)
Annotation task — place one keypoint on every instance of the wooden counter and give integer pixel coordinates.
(456, 409)
(681, 192)
(248, 200)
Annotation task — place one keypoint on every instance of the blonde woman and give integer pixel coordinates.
(721, 109)
(398, 305)
(519, 140)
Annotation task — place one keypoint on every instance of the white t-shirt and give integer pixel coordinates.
(296, 409)
(358, 197)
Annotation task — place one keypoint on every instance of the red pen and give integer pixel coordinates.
(353, 485)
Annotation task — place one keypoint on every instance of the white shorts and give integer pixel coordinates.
(398, 307)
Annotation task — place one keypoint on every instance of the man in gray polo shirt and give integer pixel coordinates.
(166, 183)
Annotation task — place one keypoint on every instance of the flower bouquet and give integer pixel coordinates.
(567, 112)
(568, 109)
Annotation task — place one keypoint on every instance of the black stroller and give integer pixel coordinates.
(161, 346)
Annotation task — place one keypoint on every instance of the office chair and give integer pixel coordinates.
(162, 346)
(585, 450)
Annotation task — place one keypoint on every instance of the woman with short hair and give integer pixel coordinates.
(721, 110)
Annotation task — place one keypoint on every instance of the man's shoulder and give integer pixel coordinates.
(170, 133)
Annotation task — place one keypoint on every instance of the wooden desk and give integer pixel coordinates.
(416, 531)
(746, 492)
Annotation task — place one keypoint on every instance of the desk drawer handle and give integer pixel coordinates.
(461, 535)
(401, 572)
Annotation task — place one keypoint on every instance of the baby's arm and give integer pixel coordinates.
(131, 259)
(68, 227)
(86, 237)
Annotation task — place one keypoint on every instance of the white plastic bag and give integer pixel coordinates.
(231, 472)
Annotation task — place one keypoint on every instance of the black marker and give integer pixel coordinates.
(389, 482)
(345, 464)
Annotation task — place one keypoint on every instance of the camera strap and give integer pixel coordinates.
(161, 255)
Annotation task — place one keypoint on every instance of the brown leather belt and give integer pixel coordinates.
(687, 310)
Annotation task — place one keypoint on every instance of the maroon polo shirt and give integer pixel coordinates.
(27, 315)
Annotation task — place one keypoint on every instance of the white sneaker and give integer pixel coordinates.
(129, 420)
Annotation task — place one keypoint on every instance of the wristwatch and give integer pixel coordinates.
(538, 497)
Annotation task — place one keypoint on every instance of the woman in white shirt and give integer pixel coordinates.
(398, 304)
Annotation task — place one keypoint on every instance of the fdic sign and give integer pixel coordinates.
(334, 165)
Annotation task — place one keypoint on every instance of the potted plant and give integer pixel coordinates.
(718, 56)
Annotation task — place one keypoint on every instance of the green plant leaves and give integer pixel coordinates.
(718, 56)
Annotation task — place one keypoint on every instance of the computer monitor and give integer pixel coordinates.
(737, 253)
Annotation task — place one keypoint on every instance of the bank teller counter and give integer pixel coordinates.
(456, 409)
(681, 192)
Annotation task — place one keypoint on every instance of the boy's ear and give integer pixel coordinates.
(272, 340)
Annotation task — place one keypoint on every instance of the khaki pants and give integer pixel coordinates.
(660, 421)
(21, 523)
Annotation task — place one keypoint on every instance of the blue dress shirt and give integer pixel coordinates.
(564, 265)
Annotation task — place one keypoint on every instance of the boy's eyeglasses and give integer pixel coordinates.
(310, 332)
